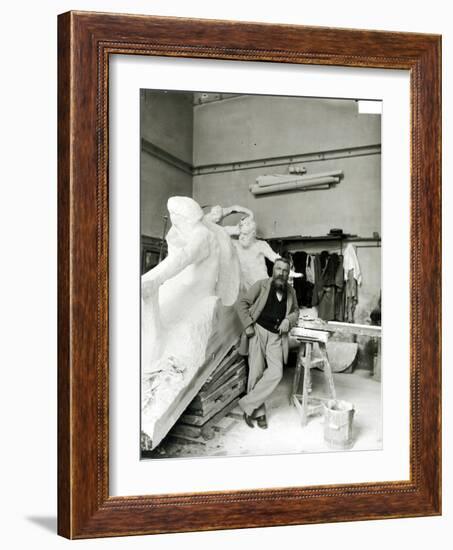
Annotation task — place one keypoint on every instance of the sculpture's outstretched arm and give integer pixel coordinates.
(194, 251)
(272, 256)
(234, 229)
(268, 252)
(236, 209)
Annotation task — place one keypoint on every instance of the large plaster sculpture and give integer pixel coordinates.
(218, 213)
(252, 253)
(188, 317)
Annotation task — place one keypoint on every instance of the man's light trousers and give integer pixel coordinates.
(265, 370)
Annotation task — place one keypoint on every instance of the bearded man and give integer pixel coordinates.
(268, 311)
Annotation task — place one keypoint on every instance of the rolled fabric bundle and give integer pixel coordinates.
(278, 179)
(293, 186)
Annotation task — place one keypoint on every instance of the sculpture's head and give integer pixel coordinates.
(280, 273)
(247, 231)
(215, 214)
(247, 225)
(184, 211)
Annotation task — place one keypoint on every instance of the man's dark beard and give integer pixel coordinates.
(279, 283)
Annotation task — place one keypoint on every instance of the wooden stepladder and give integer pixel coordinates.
(305, 404)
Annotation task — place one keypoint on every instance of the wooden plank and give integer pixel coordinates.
(220, 415)
(185, 430)
(231, 389)
(309, 335)
(225, 388)
(227, 397)
(227, 360)
(339, 326)
(229, 372)
(196, 434)
(218, 420)
(353, 328)
(204, 398)
(199, 419)
(226, 363)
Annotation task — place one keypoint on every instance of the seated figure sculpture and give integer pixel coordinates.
(188, 318)
(252, 253)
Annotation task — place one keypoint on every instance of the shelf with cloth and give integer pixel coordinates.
(322, 283)
(328, 281)
(280, 244)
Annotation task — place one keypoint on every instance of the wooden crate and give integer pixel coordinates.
(231, 388)
(204, 431)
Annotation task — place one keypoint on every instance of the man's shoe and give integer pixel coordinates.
(262, 422)
(248, 420)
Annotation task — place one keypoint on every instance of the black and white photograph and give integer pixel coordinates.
(260, 233)
(223, 197)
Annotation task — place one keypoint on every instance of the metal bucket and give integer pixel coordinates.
(338, 417)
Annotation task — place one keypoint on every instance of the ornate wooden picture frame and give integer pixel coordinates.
(86, 41)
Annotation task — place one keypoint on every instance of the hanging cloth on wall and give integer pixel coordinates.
(330, 274)
(302, 286)
(329, 307)
(339, 295)
(322, 284)
(353, 278)
(351, 261)
(300, 260)
(310, 269)
(326, 306)
(318, 286)
(351, 296)
(299, 266)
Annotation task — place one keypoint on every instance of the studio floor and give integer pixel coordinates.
(285, 433)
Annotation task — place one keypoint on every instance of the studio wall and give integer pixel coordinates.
(166, 131)
(332, 135)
